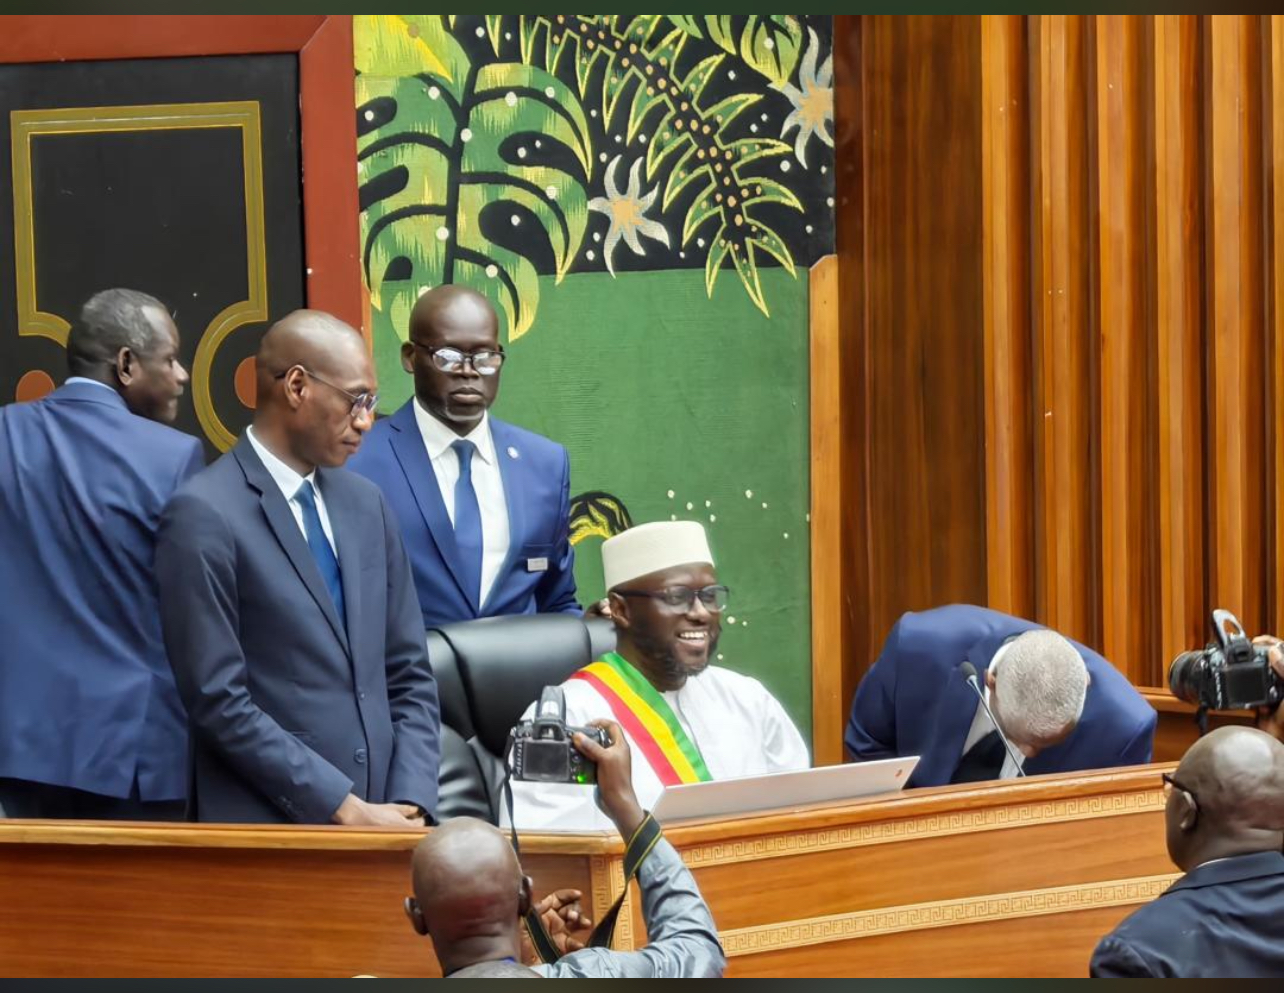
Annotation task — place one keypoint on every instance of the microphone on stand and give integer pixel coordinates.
(969, 673)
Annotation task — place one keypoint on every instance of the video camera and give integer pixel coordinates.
(541, 749)
(1231, 673)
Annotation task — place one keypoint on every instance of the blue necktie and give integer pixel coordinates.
(468, 525)
(321, 550)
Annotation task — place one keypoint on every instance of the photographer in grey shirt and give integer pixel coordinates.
(471, 896)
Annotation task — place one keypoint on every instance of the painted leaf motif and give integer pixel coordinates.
(688, 23)
(721, 31)
(439, 172)
(394, 45)
(773, 244)
(771, 44)
(769, 191)
(746, 265)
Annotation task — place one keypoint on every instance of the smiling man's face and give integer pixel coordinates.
(674, 641)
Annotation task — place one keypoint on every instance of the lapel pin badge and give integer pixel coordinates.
(513, 453)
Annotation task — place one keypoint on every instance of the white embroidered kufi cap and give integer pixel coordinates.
(649, 548)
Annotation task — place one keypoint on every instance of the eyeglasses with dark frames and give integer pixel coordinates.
(1170, 784)
(485, 362)
(362, 403)
(714, 598)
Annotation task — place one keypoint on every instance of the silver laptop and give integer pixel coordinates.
(780, 791)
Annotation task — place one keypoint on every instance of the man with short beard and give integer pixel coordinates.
(685, 720)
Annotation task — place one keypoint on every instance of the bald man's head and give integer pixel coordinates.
(314, 382)
(447, 323)
(470, 894)
(1227, 797)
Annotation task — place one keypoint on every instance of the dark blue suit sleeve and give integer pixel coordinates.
(194, 463)
(1141, 747)
(1115, 959)
(412, 691)
(556, 591)
(871, 728)
(196, 570)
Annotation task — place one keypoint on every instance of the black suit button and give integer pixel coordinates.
(361, 695)
(360, 756)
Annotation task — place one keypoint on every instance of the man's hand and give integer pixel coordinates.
(1272, 721)
(561, 913)
(614, 778)
(355, 811)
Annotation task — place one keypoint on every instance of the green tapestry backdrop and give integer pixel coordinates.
(640, 197)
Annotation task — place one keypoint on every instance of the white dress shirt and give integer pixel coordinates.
(488, 484)
(739, 728)
(289, 481)
(981, 726)
(84, 379)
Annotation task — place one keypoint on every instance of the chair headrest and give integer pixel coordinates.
(504, 663)
(455, 712)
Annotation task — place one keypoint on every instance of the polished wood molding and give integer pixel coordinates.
(328, 129)
(332, 838)
(828, 646)
(809, 931)
(1082, 794)
(829, 891)
(81, 37)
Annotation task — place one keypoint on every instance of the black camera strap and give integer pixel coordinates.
(635, 853)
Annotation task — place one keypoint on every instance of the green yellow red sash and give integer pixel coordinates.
(647, 717)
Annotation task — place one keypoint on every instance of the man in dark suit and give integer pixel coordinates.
(1225, 916)
(90, 721)
(484, 506)
(289, 611)
(1061, 705)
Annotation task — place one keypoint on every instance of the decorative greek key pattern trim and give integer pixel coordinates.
(934, 826)
(943, 913)
(606, 879)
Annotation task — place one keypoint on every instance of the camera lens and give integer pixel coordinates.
(1185, 676)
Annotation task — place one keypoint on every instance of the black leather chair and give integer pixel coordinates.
(488, 672)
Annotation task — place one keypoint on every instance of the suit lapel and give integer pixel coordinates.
(281, 520)
(958, 707)
(509, 457)
(954, 719)
(345, 521)
(408, 447)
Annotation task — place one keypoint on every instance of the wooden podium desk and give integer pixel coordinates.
(1018, 878)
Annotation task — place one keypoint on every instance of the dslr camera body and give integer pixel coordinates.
(541, 749)
(1230, 674)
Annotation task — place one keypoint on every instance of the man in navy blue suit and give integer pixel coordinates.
(90, 721)
(1225, 828)
(289, 611)
(1061, 705)
(484, 506)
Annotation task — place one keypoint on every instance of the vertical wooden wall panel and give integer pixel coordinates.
(1009, 454)
(1129, 173)
(909, 236)
(827, 502)
(1129, 626)
(1236, 381)
(851, 342)
(1275, 620)
(1179, 339)
(1065, 328)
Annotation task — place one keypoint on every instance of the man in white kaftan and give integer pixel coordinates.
(667, 609)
